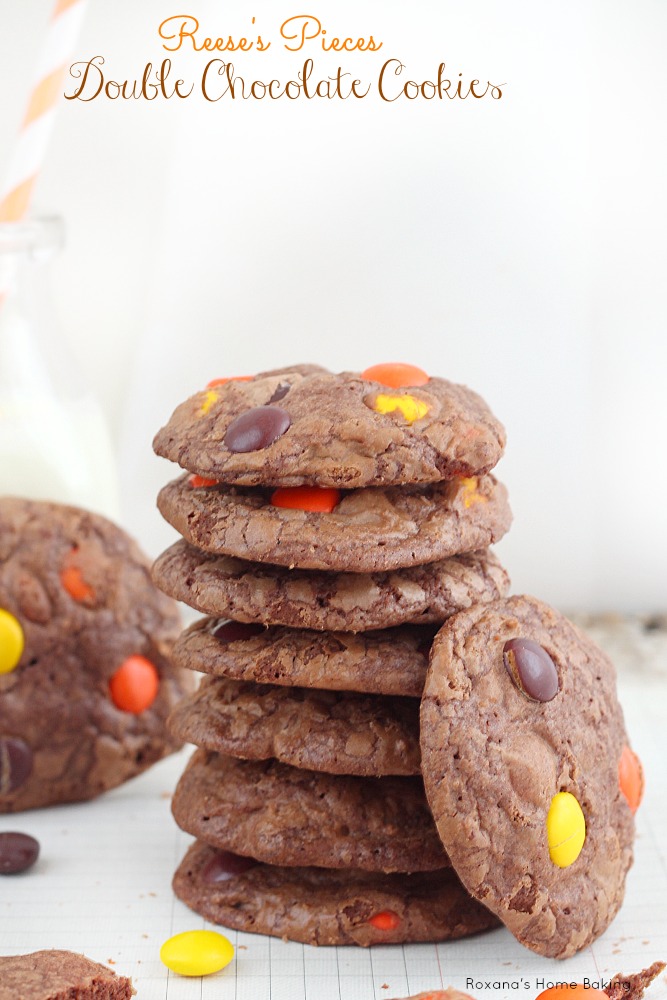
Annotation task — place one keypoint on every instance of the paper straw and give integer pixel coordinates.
(30, 149)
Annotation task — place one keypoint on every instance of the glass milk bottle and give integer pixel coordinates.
(54, 443)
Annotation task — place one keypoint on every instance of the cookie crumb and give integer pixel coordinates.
(632, 987)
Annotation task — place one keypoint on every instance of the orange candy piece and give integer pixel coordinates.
(631, 778)
(135, 684)
(387, 920)
(73, 582)
(196, 482)
(396, 375)
(578, 992)
(312, 498)
(235, 378)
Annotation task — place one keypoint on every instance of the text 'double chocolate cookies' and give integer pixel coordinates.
(338, 732)
(88, 683)
(287, 816)
(306, 426)
(354, 602)
(522, 736)
(359, 531)
(391, 661)
(320, 906)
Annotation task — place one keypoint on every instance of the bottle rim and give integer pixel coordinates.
(35, 237)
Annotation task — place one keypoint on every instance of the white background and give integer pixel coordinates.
(515, 245)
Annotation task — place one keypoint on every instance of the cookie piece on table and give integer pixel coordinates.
(314, 428)
(285, 816)
(632, 987)
(326, 907)
(338, 732)
(86, 684)
(59, 975)
(351, 602)
(359, 531)
(522, 737)
(391, 662)
(449, 994)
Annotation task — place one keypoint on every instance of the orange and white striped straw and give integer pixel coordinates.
(30, 150)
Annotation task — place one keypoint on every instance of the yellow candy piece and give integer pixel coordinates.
(566, 829)
(196, 953)
(209, 400)
(11, 641)
(411, 408)
(470, 494)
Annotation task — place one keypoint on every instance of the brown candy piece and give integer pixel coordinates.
(225, 865)
(230, 631)
(257, 428)
(18, 851)
(15, 764)
(531, 668)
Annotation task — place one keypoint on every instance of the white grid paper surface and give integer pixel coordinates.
(102, 887)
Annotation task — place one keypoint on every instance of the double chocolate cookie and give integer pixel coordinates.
(352, 602)
(526, 766)
(338, 732)
(86, 683)
(391, 661)
(287, 816)
(306, 426)
(325, 906)
(360, 531)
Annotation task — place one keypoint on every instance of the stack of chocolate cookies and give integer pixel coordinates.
(337, 520)
(332, 525)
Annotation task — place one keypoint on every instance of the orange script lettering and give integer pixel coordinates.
(304, 28)
(182, 28)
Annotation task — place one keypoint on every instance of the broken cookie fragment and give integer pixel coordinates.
(60, 975)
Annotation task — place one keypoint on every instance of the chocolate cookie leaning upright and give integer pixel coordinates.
(528, 771)
(86, 683)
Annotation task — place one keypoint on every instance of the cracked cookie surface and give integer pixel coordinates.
(286, 816)
(350, 602)
(496, 759)
(338, 732)
(334, 431)
(390, 661)
(321, 906)
(58, 975)
(369, 530)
